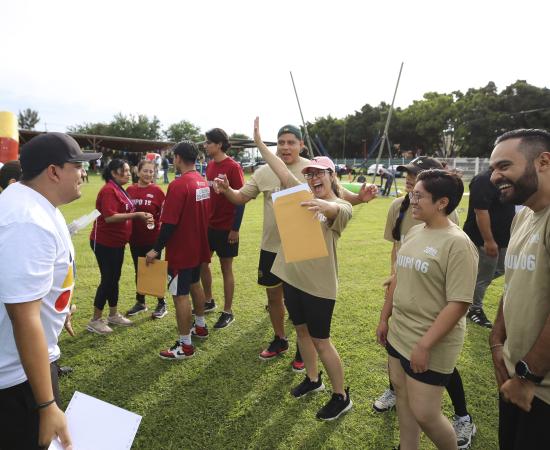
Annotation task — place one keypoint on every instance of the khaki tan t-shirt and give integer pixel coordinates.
(264, 180)
(408, 221)
(433, 267)
(318, 277)
(527, 288)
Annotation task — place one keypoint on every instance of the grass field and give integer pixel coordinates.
(226, 397)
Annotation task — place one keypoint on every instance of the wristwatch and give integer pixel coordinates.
(522, 371)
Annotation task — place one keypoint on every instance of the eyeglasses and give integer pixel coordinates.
(415, 196)
(317, 173)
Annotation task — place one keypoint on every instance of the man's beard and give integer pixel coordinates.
(523, 188)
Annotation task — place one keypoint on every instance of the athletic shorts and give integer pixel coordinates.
(217, 239)
(265, 277)
(304, 308)
(180, 283)
(429, 377)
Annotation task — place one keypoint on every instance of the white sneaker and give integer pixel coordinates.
(465, 430)
(99, 326)
(119, 319)
(385, 402)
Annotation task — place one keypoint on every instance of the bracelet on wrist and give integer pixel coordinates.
(45, 404)
(492, 347)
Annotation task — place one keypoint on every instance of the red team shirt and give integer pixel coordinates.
(147, 199)
(222, 213)
(187, 205)
(110, 201)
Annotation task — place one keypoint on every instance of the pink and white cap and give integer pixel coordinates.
(320, 162)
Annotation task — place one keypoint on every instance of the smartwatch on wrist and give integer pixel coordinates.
(522, 371)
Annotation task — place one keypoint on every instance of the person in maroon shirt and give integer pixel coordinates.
(184, 233)
(225, 221)
(148, 197)
(110, 233)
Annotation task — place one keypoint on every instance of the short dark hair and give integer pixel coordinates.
(114, 166)
(142, 162)
(218, 136)
(533, 141)
(187, 150)
(10, 171)
(440, 184)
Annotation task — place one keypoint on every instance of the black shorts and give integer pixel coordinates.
(19, 418)
(429, 377)
(265, 277)
(180, 281)
(217, 239)
(304, 308)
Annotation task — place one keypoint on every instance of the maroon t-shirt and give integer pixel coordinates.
(187, 205)
(147, 199)
(110, 201)
(222, 214)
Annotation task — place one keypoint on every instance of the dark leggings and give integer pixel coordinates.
(109, 260)
(456, 393)
(138, 251)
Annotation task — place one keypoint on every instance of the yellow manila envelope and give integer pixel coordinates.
(299, 228)
(152, 279)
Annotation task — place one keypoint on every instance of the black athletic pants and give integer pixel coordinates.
(110, 261)
(520, 430)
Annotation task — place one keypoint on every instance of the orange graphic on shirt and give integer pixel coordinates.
(65, 297)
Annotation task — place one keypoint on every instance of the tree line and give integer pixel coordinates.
(449, 125)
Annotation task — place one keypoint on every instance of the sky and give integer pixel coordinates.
(221, 63)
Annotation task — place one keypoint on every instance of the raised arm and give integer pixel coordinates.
(276, 163)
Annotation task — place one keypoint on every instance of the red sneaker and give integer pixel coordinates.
(178, 351)
(199, 332)
(277, 347)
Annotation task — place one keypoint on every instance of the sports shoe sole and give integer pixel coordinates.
(383, 410)
(345, 410)
(298, 370)
(263, 358)
(119, 324)
(469, 444)
(159, 316)
(93, 330)
(129, 314)
(313, 391)
(169, 358)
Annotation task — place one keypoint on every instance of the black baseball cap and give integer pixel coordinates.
(290, 129)
(51, 148)
(419, 164)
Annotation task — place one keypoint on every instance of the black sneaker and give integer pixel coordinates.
(307, 386)
(160, 311)
(224, 320)
(277, 347)
(336, 406)
(208, 307)
(477, 315)
(136, 309)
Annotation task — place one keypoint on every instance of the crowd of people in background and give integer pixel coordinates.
(438, 275)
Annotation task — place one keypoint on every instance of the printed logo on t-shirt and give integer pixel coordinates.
(202, 194)
(520, 262)
(142, 202)
(408, 262)
(534, 239)
(149, 196)
(430, 251)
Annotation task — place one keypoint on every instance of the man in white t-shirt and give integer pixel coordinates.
(36, 287)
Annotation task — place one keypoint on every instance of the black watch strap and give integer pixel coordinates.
(523, 371)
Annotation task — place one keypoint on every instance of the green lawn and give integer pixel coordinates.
(226, 397)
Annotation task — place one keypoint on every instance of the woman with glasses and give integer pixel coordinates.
(399, 221)
(310, 287)
(147, 197)
(435, 273)
(110, 234)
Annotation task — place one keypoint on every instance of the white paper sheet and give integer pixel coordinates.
(292, 190)
(95, 424)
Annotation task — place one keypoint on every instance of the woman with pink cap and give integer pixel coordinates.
(310, 287)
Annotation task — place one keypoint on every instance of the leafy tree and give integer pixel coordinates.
(182, 130)
(28, 118)
(131, 126)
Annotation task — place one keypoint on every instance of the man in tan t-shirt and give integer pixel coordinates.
(520, 340)
(289, 145)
